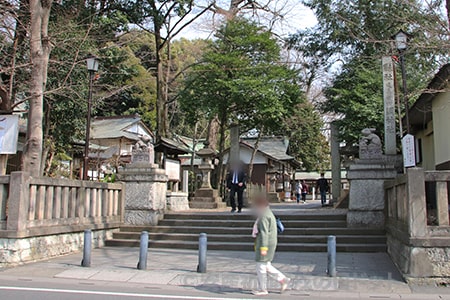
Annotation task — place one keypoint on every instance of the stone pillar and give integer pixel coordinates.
(185, 181)
(19, 202)
(234, 150)
(416, 202)
(335, 164)
(367, 176)
(145, 189)
(366, 198)
(390, 140)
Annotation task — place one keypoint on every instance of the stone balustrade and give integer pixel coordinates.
(417, 224)
(47, 206)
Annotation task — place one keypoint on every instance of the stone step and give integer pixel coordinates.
(245, 230)
(206, 199)
(282, 238)
(248, 216)
(207, 193)
(249, 223)
(206, 205)
(239, 246)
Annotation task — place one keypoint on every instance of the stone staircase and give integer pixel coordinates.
(306, 232)
(207, 199)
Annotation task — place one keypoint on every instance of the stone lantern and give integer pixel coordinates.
(206, 196)
(206, 167)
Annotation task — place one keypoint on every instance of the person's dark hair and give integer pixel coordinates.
(322, 174)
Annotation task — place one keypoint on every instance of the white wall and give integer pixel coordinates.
(441, 127)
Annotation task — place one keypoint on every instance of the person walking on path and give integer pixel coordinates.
(236, 184)
(298, 191)
(265, 233)
(305, 190)
(322, 187)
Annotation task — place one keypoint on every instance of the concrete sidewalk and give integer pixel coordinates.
(227, 270)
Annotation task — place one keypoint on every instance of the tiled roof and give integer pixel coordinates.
(114, 127)
(275, 147)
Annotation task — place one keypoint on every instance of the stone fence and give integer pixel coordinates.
(417, 223)
(44, 217)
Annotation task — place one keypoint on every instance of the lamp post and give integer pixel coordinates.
(401, 43)
(92, 66)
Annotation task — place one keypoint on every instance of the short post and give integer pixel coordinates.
(331, 256)
(202, 248)
(87, 248)
(143, 251)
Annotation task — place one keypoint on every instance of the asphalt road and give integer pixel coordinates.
(16, 288)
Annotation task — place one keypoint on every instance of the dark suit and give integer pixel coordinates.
(234, 179)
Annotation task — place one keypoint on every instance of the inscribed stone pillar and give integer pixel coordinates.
(234, 150)
(390, 141)
(335, 164)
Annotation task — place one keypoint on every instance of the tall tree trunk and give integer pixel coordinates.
(223, 124)
(252, 158)
(40, 48)
(161, 95)
(213, 132)
(447, 4)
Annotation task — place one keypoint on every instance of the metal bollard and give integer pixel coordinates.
(331, 256)
(202, 248)
(143, 251)
(87, 249)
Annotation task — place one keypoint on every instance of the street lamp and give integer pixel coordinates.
(92, 67)
(401, 43)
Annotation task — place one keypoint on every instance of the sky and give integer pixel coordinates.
(297, 16)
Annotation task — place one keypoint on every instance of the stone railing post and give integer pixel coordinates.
(18, 202)
(416, 202)
(122, 203)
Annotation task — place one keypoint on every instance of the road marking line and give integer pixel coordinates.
(100, 293)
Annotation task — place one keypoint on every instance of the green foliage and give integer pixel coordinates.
(241, 80)
(357, 34)
(357, 94)
(307, 142)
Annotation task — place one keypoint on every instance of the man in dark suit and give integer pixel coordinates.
(236, 180)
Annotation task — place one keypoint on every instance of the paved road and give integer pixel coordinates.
(63, 289)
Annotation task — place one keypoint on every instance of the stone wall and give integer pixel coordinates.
(419, 261)
(15, 251)
(420, 251)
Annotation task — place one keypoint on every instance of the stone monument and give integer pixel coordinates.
(272, 194)
(145, 186)
(206, 196)
(367, 176)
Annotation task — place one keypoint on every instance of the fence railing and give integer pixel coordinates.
(42, 206)
(437, 192)
(414, 199)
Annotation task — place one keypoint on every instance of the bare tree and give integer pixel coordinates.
(40, 47)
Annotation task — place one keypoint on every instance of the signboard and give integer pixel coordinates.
(409, 151)
(173, 169)
(9, 133)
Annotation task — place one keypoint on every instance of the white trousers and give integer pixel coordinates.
(264, 268)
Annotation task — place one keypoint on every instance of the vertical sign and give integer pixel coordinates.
(390, 140)
(9, 133)
(409, 152)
